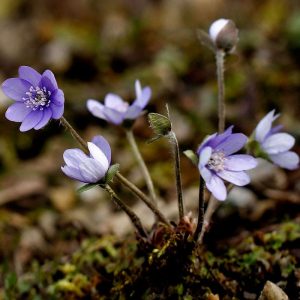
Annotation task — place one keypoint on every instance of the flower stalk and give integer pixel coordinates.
(135, 190)
(200, 210)
(132, 216)
(141, 163)
(220, 54)
(211, 208)
(174, 141)
(74, 133)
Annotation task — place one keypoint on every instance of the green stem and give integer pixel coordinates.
(175, 145)
(220, 54)
(142, 164)
(134, 189)
(200, 210)
(132, 216)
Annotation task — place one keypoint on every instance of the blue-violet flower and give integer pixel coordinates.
(275, 145)
(216, 162)
(88, 168)
(115, 110)
(37, 96)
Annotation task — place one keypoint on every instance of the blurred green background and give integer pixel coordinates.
(95, 47)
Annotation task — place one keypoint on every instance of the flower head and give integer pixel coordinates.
(115, 110)
(88, 168)
(216, 162)
(224, 34)
(275, 145)
(37, 98)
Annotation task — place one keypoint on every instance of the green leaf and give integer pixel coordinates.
(111, 173)
(192, 156)
(87, 187)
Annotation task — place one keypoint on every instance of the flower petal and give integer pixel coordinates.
(133, 112)
(232, 143)
(96, 108)
(278, 142)
(98, 155)
(217, 187)
(31, 120)
(47, 114)
(103, 144)
(57, 97)
(220, 137)
(48, 74)
(204, 156)
(91, 170)
(240, 162)
(206, 142)
(73, 173)
(143, 99)
(57, 111)
(287, 160)
(113, 116)
(264, 126)
(113, 101)
(47, 83)
(73, 157)
(238, 178)
(17, 112)
(15, 88)
(206, 174)
(138, 88)
(31, 75)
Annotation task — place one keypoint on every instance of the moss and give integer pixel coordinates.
(170, 266)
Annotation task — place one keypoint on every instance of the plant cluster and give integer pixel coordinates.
(219, 160)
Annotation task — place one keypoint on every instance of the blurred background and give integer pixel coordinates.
(95, 47)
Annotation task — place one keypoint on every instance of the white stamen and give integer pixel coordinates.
(216, 161)
(37, 98)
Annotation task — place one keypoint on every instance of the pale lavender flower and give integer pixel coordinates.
(88, 168)
(115, 110)
(275, 145)
(216, 162)
(38, 98)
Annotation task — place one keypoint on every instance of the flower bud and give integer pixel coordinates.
(224, 34)
(160, 124)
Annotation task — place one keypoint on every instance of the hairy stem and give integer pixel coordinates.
(141, 162)
(200, 210)
(74, 133)
(133, 188)
(220, 54)
(132, 216)
(213, 204)
(175, 145)
(143, 197)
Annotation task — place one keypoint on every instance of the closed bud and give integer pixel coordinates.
(224, 34)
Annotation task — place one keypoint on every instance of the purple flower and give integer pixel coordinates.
(216, 162)
(115, 110)
(88, 169)
(38, 98)
(274, 144)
